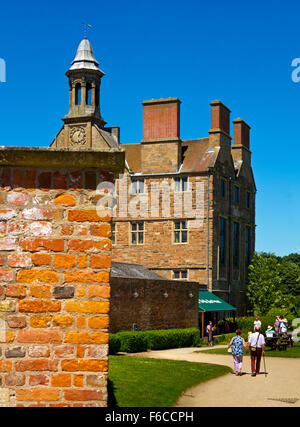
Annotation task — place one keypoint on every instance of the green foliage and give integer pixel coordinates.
(246, 323)
(134, 342)
(274, 282)
(114, 344)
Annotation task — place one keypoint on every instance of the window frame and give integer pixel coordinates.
(135, 187)
(223, 239)
(236, 194)
(180, 271)
(180, 230)
(138, 233)
(181, 184)
(236, 245)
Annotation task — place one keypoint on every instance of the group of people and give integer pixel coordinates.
(256, 344)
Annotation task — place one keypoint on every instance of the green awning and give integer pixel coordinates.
(210, 302)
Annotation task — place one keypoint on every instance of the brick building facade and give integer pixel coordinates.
(169, 183)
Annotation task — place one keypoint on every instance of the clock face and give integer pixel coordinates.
(77, 136)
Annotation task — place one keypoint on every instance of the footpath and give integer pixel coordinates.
(280, 387)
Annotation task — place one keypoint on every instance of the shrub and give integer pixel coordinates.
(132, 342)
(114, 344)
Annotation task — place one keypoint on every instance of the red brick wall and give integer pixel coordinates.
(161, 119)
(151, 309)
(55, 256)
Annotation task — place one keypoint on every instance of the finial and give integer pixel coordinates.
(85, 28)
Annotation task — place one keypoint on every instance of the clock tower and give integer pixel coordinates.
(84, 127)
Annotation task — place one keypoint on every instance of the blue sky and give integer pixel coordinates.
(199, 51)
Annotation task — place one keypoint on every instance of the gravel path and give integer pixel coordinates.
(281, 386)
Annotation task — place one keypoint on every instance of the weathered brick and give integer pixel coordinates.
(37, 214)
(65, 200)
(7, 243)
(38, 351)
(30, 180)
(96, 380)
(30, 306)
(19, 260)
(29, 276)
(98, 322)
(83, 395)
(7, 214)
(37, 244)
(16, 291)
(43, 291)
(16, 321)
(78, 380)
(59, 181)
(14, 380)
(40, 336)
(87, 307)
(86, 338)
(37, 365)
(80, 245)
(75, 180)
(84, 216)
(7, 305)
(40, 321)
(5, 366)
(67, 230)
(17, 199)
(15, 352)
(64, 261)
(38, 394)
(61, 380)
(40, 228)
(41, 259)
(7, 336)
(85, 276)
(100, 261)
(63, 292)
(39, 380)
(98, 291)
(82, 261)
(84, 365)
(80, 351)
(6, 275)
(64, 351)
(103, 230)
(63, 321)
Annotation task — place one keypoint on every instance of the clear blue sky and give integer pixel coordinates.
(199, 51)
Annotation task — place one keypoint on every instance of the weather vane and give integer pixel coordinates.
(85, 28)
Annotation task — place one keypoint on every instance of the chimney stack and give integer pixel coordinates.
(220, 117)
(161, 119)
(241, 142)
(241, 133)
(219, 134)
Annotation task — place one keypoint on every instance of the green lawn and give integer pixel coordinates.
(293, 352)
(144, 382)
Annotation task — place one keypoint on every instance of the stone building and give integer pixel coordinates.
(186, 208)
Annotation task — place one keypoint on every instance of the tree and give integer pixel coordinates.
(264, 283)
(290, 277)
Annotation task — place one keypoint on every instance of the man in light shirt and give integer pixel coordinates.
(257, 324)
(257, 340)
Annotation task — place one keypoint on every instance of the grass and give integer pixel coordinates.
(144, 382)
(293, 352)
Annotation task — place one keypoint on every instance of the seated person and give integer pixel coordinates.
(270, 333)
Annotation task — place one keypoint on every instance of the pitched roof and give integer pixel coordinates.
(120, 269)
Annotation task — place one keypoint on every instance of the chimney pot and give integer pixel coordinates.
(220, 117)
(241, 133)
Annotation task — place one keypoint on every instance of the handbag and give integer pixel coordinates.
(254, 347)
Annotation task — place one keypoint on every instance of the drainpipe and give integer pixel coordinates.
(229, 241)
(208, 227)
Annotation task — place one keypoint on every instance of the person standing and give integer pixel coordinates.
(238, 344)
(256, 344)
(256, 324)
(276, 326)
(209, 331)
